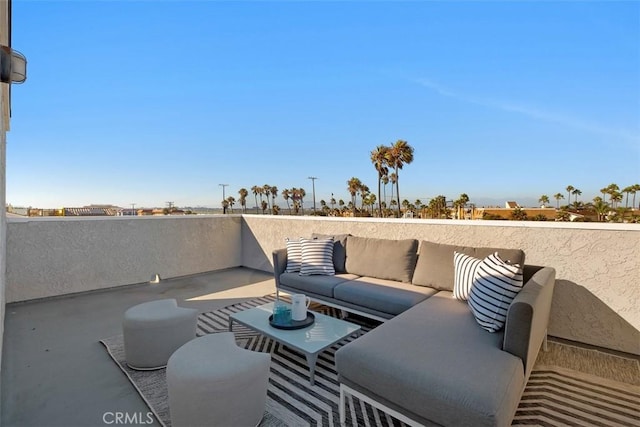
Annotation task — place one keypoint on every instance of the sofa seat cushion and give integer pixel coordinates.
(321, 285)
(435, 268)
(438, 364)
(387, 296)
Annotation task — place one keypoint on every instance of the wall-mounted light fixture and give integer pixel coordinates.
(13, 66)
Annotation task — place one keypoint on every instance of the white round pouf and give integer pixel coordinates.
(211, 381)
(154, 330)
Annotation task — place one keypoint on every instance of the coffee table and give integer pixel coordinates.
(310, 341)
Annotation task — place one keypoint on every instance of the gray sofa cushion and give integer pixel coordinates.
(435, 262)
(339, 249)
(452, 375)
(382, 258)
(382, 295)
(321, 285)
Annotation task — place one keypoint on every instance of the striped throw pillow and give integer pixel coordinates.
(317, 257)
(294, 255)
(465, 269)
(495, 285)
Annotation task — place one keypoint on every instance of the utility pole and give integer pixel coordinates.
(224, 209)
(133, 209)
(313, 185)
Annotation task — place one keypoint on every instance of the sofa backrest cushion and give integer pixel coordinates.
(435, 262)
(339, 250)
(382, 258)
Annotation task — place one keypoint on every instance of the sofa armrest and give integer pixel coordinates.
(279, 264)
(528, 316)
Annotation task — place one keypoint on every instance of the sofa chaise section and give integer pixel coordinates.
(434, 365)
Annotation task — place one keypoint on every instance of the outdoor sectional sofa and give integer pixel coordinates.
(430, 362)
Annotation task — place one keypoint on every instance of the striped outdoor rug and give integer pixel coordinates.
(554, 396)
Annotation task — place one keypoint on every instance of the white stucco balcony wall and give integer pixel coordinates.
(596, 298)
(56, 256)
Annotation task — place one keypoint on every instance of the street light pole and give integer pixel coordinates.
(313, 185)
(224, 209)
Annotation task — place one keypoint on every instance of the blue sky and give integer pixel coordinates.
(154, 101)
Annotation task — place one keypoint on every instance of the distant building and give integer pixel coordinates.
(18, 211)
(505, 213)
(91, 210)
(127, 212)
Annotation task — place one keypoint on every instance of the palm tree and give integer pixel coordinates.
(231, 201)
(576, 192)
(464, 198)
(399, 154)
(615, 197)
(372, 201)
(264, 205)
(379, 160)
(285, 195)
(418, 204)
(255, 191)
(261, 193)
(563, 216)
(297, 194)
(274, 193)
(301, 194)
(385, 181)
(544, 199)
(364, 192)
(558, 196)
(393, 178)
(405, 205)
(611, 190)
(627, 190)
(266, 189)
(569, 189)
(293, 193)
(225, 205)
(519, 214)
(353, 186)
(332, 202)
(600, 207)
(438, 207)
(604, 192)
(243, 199)
(636, 188)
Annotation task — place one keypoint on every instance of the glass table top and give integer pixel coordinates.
(325, 331)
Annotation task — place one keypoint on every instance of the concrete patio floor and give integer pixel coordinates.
(55, 372)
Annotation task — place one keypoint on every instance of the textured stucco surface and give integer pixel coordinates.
(47, 257)
(596, 298)
(597, 266)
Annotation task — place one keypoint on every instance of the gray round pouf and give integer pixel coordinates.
(211, 381)
(154, 330)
